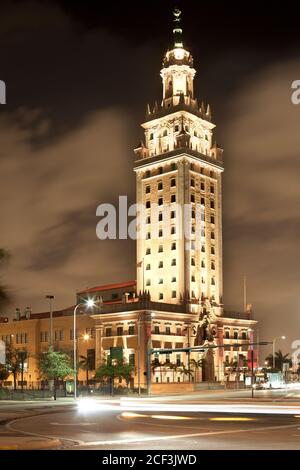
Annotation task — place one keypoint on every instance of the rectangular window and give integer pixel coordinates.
(173, 262)
(147, 189)
(173, 198)
(148, 267)
(173, 279)
(160, 281)
(168, 330)
(131, 330)
(120, 331)
(173, 294)
(108, 331)
(193, 182)
(178, 361)
(160, 217)
(131, 359)
(160, 249)
(156, 329)
(148, 204)
(173, 246)
(173, 182)
(160, 201)
(161, 296)
(161, 264)
(178, 331)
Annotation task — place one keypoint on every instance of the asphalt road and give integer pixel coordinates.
(161, 423)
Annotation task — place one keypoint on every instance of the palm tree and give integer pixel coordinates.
(197, 365)
(185, 371)
(280, 359)
(85, 364)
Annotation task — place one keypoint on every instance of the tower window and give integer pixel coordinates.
(173, 246)
(193, 182)
(193, 214)
(173, 279)
(193, 262)
(176, 128)
(160, 232)
(160, 201)
(213, 283)
(212, 235)
(148, 236)
(192, 198)
(148, 267)
(202, 264)
(160, 170)
(173, 214)
(148, 219)
(156, 329)
(160, 249)
(212, 220)
(160, 217)
(148, 251)
(147, 174)
(173, 166)
(173, 294)
(173, 198)
(160, 281)
(161, 296)
(202, 201)
(147, 189)
(202, 186)
(203, 249)
(151, 137)
(212, 204)
(173, 262)
(193, 278)
(148, 282)
(165, 133)
(148, 204)
(173, 182)
(159, 185)
(227, 334)
(212, 265)
(192, 167)
(161, 264)
(173, 230)
(212, 189)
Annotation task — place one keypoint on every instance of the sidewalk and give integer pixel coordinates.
(27, 443)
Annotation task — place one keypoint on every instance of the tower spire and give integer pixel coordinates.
(177, 30)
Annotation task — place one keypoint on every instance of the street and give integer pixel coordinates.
(210, 420)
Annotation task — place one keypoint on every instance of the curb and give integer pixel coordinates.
(32, 445)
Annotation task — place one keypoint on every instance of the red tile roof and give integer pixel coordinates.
(108, 287)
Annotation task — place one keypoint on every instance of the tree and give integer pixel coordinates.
(14, 362)
(197, 365)
(186, 371)
(111, 370)
(55, 365)
(85, 364)
(280, 359)
(4, 374)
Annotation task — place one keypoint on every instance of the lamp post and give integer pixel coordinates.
(50, 298)
(88, 303)
(274, 341)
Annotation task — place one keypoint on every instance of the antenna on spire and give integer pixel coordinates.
(177, 30)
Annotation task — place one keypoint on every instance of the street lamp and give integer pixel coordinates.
(89, 303)
(274, 340)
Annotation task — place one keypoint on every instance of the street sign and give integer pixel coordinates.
(2, 352)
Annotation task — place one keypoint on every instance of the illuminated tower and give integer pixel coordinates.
(178, 165)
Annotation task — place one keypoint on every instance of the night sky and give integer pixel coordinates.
(79, 76)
